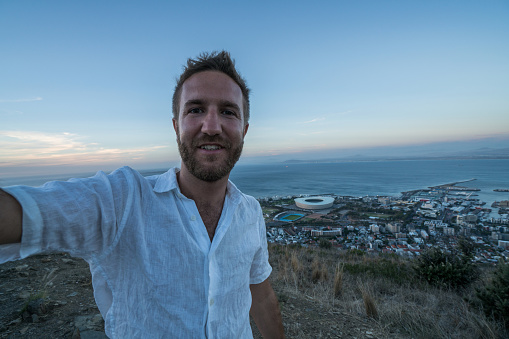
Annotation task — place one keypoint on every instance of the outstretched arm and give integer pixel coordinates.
(265, 310)
(10, 219)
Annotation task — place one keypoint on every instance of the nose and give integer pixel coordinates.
(211, 123)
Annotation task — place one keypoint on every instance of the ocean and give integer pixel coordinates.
(387, 178)
(373, 177)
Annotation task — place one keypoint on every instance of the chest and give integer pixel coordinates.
(210, 216)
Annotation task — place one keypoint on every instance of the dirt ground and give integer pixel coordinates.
(50, 296)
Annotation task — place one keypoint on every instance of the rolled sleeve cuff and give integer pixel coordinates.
(261, 277)
(32, 226)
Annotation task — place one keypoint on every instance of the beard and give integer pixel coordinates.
(216, 169)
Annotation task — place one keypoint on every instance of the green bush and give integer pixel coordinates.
(495, 295)
(449, 270)
(466, 247)
(395, 270)
(355, 253)
(323, 243)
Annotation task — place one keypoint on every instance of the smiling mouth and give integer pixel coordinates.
(210, 147)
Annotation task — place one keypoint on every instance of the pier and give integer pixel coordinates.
(451, 186)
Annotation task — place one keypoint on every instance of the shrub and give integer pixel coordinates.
(450, 270)
(398, 271)
(323, 243)
(356, 252)
(338, 281)
(319, 272)
(466, 247)
(369, 302)
(495, 295)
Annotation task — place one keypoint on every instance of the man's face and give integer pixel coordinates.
(210, 127)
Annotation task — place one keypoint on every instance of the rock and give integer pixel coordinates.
(26, 316)
(35, 318)
(21, 268)
(37, 306)
(93, 335)
(89, 323)
(24, 295)
(73, 294)
(14, 322)
(68, 261)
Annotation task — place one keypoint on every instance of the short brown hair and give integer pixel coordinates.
(215, 61)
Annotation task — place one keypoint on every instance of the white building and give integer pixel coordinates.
(314, 203)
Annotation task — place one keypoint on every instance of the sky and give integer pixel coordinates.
(88, 84)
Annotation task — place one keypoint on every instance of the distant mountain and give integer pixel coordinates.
(481, 153)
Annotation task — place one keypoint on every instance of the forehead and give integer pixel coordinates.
(211, 86)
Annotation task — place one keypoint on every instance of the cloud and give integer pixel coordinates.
(313, 120)
(21, 100)
(327, 116)
(5, 112)
(42, 148)
(307, 134)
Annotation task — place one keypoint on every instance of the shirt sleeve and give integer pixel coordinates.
(79, 216)
(260, 269)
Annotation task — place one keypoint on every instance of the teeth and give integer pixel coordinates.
(210, 147)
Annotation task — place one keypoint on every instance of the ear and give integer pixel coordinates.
(175, 125)
(245, 130)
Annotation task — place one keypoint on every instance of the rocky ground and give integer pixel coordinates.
(50, 296)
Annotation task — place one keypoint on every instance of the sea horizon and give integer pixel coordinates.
(349, 178)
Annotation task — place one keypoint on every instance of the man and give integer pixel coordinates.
(178, 255)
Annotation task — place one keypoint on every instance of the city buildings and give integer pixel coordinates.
(405, 225)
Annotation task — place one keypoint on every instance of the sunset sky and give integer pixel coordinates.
(89, 84)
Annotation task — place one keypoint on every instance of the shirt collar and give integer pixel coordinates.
(168, 182)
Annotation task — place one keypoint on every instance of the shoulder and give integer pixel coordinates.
(150, 178)
(250, 200)
(126, 174)
(125, 179)
(249, 203)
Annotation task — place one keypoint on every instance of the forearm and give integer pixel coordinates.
(10, 219)
(265, 311)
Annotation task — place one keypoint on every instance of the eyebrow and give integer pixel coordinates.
(194, 102)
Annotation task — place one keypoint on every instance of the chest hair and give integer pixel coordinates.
(210, 216)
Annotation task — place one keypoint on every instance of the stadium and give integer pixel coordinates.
(314, 203)
(289, 216)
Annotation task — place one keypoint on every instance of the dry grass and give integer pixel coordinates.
(338, 281)
(318, 271)
(381, 290)
(369, 301)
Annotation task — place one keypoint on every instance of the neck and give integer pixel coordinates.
(201, 191)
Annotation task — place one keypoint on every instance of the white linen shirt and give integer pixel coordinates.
(156, 274)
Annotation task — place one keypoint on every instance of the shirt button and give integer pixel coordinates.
(193, 218)
(211, 301)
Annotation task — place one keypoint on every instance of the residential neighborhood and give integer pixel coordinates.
(404, 225)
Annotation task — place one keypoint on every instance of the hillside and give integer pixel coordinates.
(323, 294)
(350, 294)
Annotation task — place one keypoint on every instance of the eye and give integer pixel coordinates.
(230, 113)
(195, 110)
